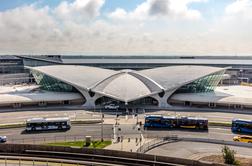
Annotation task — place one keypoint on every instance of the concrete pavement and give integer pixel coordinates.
(109, 117)
(195, 150)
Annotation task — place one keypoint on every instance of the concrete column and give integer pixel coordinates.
(162, 101)
(90, 101)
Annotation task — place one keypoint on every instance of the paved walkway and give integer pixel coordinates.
(128, 144)
(124, 120)
(127, 136)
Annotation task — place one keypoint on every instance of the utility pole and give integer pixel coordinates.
(137, 118)
(102, 116)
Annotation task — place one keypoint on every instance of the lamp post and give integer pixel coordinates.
(140, 137)
(102, 116)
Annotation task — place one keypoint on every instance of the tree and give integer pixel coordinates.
(229, 156)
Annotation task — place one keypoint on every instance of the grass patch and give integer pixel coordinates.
(81, 144)
(91, 121)
(99, 144)
(14, 125)
(224, 124)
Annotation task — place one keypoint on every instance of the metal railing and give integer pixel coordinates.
(21, 162)
(156, 142)
(55, 139)
(174, 138)
(31, 161)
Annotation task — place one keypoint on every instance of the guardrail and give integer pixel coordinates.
(35, 161)
(156, 142)
(54, 139)
(161, 141)
(215, 141)
(100, 155)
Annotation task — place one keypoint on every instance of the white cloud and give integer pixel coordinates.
(239, 6)
(165, 27)
(79, 9)
(153, 9)
(26, 23)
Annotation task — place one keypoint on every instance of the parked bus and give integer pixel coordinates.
(159, 121)
(242, 126)
(43, 124)
(193, 122)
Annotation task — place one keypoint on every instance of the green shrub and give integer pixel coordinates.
(229, 156)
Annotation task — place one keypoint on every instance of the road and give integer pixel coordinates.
(127, 131)
(196, 150)
(127, 126)
(22, 116)
(17, 135)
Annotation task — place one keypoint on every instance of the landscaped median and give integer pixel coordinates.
(220, 124)
(82, 144)
(19, 125)
(12, 125)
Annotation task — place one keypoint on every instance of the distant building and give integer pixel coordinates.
(12, 71)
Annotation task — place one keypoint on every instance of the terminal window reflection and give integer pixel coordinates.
(205, 84)
(51, 84)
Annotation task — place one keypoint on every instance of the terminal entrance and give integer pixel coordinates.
(147, 101)
(110, 103)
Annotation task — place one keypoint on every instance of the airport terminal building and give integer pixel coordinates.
(128, 88)
(129, 82)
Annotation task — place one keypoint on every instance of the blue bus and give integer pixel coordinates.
(242, 126)
(193, 122)
(159, 121)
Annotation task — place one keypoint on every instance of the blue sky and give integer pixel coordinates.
(126, 27)
(108, 6)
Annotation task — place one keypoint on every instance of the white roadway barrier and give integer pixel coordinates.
(216, 141)
(161, 141)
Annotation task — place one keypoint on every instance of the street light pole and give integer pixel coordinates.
(102, 116)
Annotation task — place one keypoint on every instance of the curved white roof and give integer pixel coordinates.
(127, 85)
(81, 76)
(176, 76)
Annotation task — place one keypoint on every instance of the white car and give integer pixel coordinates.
(111, 106)
(3, 138)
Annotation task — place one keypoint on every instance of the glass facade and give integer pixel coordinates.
(51, 84)
(144, 101)
(205, 84)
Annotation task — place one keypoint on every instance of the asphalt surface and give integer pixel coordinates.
(126, 129)
(22, 116)
(17, 135)
(196, 150)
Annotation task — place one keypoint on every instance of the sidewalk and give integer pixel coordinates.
(129, 146)
(123, 120)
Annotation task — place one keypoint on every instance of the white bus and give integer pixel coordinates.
(43, 124)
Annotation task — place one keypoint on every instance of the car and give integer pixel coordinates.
(3, 138)
(245, 138)
(111, 106)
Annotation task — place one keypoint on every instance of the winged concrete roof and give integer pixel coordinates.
(176, 76)
(81, 76)
(126, 85)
